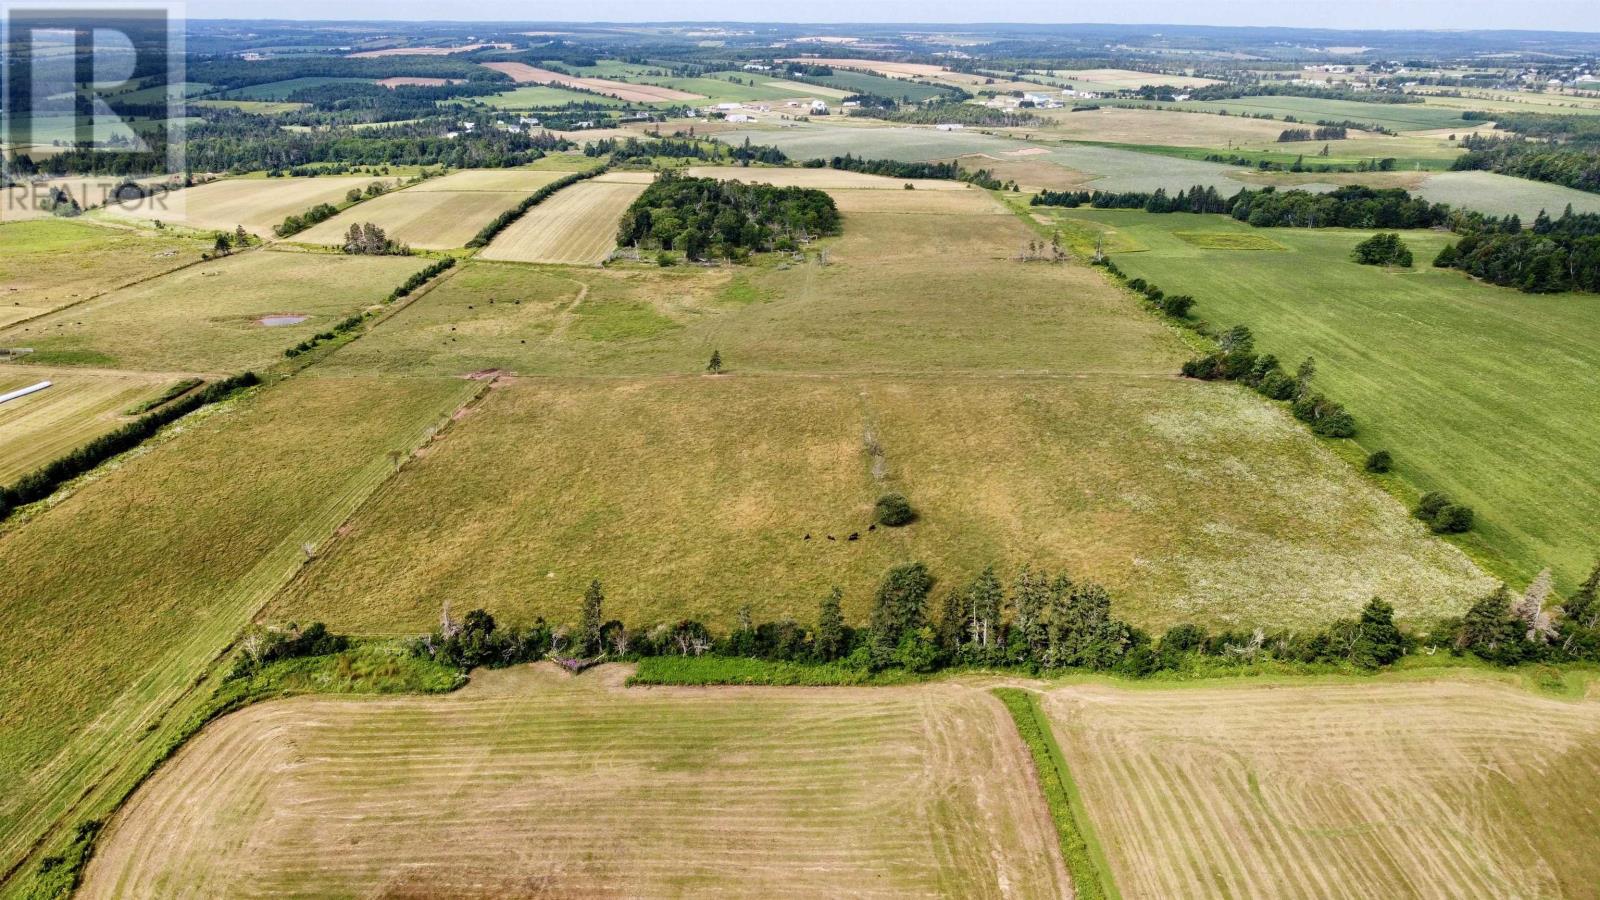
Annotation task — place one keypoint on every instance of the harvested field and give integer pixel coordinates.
(576, 226)
(206, 318)
(903, 143)
(530, 782)
(438, 214)
(1456, 787)
(1503, 195)
(822, 179)
(422, 51)
(702, 502)
(258, 204)
(622, 90)
(78, 406)
(1125, 79)
(889, 69)
(241, 489)
(50, 263)
(1154, 126)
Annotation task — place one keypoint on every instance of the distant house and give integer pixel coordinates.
(819, 107)
(740, 117)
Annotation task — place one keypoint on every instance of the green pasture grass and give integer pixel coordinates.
(692, 496)
(49, 263)
(205, 318)
(1228, 240)
(538, 96)
(867, 83)
(120, 596)
(1481, 391)
(1504, 195)
(255, 107)
(280, 90)
(1394, 116)
(821, 141)
(76, 407)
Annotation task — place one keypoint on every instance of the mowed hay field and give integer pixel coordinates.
(689, 497)
(822, 179)
(577, 225)
(438, 214)
(1443, 788)
(54, 262)
(1484, 392)
(206, 318)
(258, 204)
(119, 596)
(78, 406)
(532, 783)
(1156, 126)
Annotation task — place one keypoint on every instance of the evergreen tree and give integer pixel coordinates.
(897, 609)
(715, 366)
(984, 598)
(593, 620)
(830, 640)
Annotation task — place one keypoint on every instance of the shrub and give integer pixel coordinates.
(1429, 504)
(1380, 461)
(1382, 250)
(894, 510)
(1452, 519)
(1177, 305)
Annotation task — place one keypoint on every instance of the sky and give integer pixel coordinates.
(1556, 15)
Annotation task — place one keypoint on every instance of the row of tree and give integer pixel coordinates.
(1041, 621)
(1572, 165)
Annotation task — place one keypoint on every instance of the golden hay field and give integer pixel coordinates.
(576, 226)
(1454, 787)
(523, 73)
(440, 214)
(258, 204)
(78, 406)
(530, 782)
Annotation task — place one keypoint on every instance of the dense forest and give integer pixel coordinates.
(1553, 255)
(706, 218)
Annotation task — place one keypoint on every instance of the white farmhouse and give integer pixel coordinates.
(819, 107)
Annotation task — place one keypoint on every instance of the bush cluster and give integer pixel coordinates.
(295, 224)
(1236, 360)
(42, 482)
(1442, 514)
(268, 645)
(707, 218)
(1382, 249)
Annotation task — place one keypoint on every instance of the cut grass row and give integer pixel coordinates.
(1085, 858)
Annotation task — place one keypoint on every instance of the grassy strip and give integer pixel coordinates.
(173, 390)
(504, 220)
(1086, 859)
(715, 670)
(369, 668)
(42, 482)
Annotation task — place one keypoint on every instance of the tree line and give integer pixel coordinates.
(1571, 165)
(1040, 621)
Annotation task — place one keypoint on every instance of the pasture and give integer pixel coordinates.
(690, 496)
(542, 96)
(523, 73)
(50, 263)
(831, 180)
(1503, 195)
(206, 318)
(105, 628)
(903, 143)
(1122, 125)
(575, 226)
(438, 214)
(772, 791)
(1456, 786)
(1399, 117)
(78, 406)
(280, 90)
(258, 204)
(1121, 79)
(1480, 391)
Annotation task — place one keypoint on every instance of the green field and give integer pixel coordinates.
(1394, 116)
(280, 90)
(50, 263)
(1503, 195)
(819, 139)
(121, 596)
(538, 96)
(1483, 392)
(867, 83)
(206, 318)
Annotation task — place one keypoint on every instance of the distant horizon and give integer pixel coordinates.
(1572, 16)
